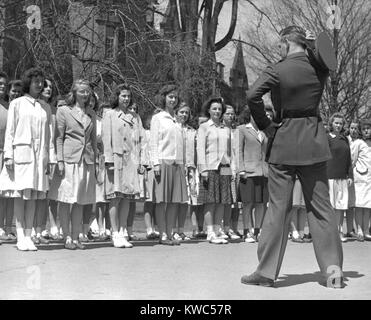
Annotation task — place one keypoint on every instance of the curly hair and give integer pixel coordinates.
(27, 78)
(161, 96)
(207, 104)
(71, 96)
(114, 99)
(331, 121)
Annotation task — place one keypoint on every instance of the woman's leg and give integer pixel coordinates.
(65, 219)
(227, 215)
(160, 219)
(171, 215)
(76, 221)
(40, 217)
(2, 216)
(349, 220)
(130, 221)
(9, 216)
(113, 214)
(209, 210)
(234, 218)
(247, 217)
(366, 223)
(19, 208)
(87, 215)
(148, 214)
(359, 223)
(124, 208)
(301, 221)
(53, 213)
(99, 215)
(181, 215)
(29, 215)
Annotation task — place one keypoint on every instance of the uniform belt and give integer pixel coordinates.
(292, 114)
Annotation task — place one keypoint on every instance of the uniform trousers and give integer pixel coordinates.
(321, 219)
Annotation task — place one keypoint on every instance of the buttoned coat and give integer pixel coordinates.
(74, 139)
(29, 144)
(252, 152)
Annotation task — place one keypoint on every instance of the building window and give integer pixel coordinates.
(75, 45)
(110, 42)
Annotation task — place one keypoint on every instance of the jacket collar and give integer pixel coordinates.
(211, 123)
(77, 116)
(297, 55)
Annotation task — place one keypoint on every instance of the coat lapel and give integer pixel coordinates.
(253, 133)
(76, 115)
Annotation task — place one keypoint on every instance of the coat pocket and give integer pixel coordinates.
(23, 154)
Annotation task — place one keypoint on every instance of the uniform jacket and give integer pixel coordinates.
(296, 89)
(122, 134)
(252, 152)
(74, 138)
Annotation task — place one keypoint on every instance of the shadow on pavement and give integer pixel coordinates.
(289, 280)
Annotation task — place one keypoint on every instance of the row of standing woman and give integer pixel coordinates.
(80, 157)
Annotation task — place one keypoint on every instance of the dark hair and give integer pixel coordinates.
(295, 34)
(3, 75)
(331, 120)
(52, 97)
(27, 78)
(114, 99)
(364, 122)
(206, 106)
(245, 116)
(14, 83)
(161, 96)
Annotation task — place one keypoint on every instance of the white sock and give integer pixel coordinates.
(295, 234)
(209, 229)
(54, 231)
(20, 234)
(149, 230)
(33, 232)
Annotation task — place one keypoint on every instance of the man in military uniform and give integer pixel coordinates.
(299, 146)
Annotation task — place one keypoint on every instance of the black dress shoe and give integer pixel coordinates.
(257, 280)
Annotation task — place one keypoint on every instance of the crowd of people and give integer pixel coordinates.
(66, 161)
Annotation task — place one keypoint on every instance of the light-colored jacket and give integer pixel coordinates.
(75, 138)
(252, 150)
(21, 123)
(123, 134)
(166, 141)
(214, 147)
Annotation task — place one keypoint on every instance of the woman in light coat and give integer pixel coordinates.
(253, 170)
(27, 152)
(122, 161)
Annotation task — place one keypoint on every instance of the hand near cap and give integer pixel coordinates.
(309, 35)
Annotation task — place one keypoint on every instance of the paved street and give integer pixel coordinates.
(194, 270)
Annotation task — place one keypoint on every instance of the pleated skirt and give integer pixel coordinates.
(171, 187)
